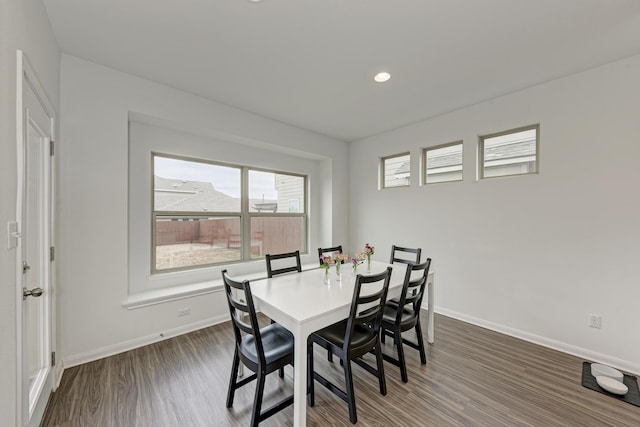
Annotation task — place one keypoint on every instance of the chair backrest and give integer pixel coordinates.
(241, 308)
(413, 288)
(322, 251)
(291, 257)
(405, 255)
(367, 305)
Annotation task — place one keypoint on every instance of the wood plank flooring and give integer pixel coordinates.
(473, 377)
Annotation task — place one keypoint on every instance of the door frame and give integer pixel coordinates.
(26, 79)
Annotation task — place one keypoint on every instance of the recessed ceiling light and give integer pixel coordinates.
(382, 77)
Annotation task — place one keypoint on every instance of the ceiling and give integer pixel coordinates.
(311, 63)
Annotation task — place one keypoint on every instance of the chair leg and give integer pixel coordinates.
(381, 379)
(257, 401)
(234, 377)
(423, 355)
(329, 356)
(351, 398)
(382, 335)
(403, 366)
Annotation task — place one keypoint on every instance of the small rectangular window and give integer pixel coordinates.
(395, 171)
(442, 163)
(512, 152)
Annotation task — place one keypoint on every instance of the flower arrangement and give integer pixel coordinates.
(357, 260)
(326, 263)
(368, 251)
(338, 258)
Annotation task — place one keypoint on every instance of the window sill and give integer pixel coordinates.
(174, 293)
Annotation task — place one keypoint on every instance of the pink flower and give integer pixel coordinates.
(339, 256)
(327, 261)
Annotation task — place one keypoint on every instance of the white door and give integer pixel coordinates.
(34, 213)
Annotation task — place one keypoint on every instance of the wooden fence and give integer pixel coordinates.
(269, 234)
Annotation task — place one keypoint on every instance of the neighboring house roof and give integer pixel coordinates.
(445, 160)
(511, 151)
(515, 150)
(404, 169)
(194, 196)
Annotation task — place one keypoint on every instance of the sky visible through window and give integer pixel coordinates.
(224, 179)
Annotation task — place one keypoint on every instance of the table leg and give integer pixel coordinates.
(300, 379)
(430, 304)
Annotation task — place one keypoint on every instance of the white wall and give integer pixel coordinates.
(95, 106)
(528, 255)
(24, 26)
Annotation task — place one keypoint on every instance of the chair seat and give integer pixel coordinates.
(335, 334)
(391, 311)
(276, 341)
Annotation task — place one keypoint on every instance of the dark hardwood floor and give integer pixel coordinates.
(474, 377)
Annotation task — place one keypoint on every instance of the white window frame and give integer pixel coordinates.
(382, 171)
(481, 160)
(455, 168)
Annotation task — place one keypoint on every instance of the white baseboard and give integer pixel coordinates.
(58, 372)
(110, 350)
(584, 353)
(623, 365)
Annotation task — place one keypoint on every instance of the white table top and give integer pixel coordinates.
(304, 297)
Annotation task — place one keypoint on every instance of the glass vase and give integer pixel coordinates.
(338, 272)
(326, 280)
(368, 264)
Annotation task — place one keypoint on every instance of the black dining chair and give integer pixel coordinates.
(352, 338)
(290, 260)
(404, 255)
(261, 350)
(323, 251)
(404, 316)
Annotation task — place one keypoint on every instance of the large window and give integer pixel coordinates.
(442, 163)
(395, 171)
(206, 213)
(513, 152)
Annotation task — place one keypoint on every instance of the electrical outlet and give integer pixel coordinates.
(184, 311)
(595, 321)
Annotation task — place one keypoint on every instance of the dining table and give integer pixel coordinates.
(304, 303)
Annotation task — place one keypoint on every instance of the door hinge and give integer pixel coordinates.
(51, 145)
(52, 254)
(53, 358)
